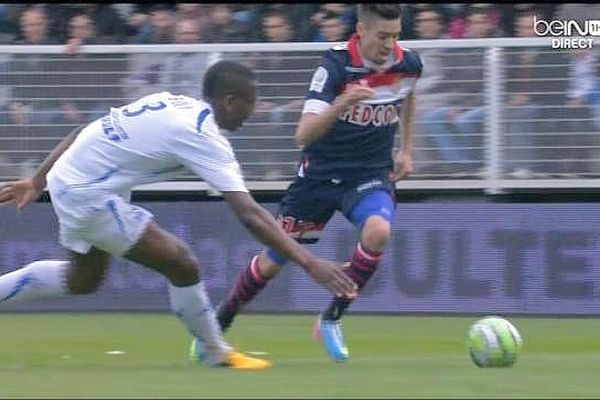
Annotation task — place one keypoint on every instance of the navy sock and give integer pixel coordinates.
(249, 283)
(362, 266)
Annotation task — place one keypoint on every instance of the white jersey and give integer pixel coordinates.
(150, 140)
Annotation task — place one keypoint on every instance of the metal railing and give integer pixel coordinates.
(492, 114)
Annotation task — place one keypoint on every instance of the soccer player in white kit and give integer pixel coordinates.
(90, 174)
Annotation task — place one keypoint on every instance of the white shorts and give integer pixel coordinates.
(89, 217)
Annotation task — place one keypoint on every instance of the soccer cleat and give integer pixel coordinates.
(235, 359)
(329, 332)
(197, 351)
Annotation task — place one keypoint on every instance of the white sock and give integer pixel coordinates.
(193, 308)
(46, 278)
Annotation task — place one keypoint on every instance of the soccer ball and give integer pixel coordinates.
(493, 342)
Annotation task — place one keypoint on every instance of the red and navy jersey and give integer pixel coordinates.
(360, 142)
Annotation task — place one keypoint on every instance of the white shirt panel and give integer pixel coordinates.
(147, 141)
(315, 106)
(210, 155)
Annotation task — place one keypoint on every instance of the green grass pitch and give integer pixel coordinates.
(58, 355)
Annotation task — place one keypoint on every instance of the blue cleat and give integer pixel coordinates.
(329, 332)
(197, 353)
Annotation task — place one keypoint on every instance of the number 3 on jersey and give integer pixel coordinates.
(150, 106)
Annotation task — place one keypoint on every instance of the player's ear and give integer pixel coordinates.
(360, 28)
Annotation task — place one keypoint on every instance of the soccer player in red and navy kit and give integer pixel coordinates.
(358, 98)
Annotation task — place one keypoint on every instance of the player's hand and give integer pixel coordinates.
(332, 276)
(355, 93)
(403, 165)
(20, 192)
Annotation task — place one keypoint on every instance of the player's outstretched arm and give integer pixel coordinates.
(266, 229)
(25, 191)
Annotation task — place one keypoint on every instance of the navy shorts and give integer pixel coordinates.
(309, 204)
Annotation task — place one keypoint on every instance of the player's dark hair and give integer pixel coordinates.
(226, 77)
(368, 12)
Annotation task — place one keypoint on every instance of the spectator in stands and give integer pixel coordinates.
(31, 86)
(81, 32)
(245, 14)
(160, 27)
(524, 68)
(297, 14)
(184, 72)
(276, 27)
(223, 28)
(584, 83)
(429, 24)
(275, 113)
(195, 11)
(146, 69)
(457, 22)
(579, 12)
(34, 27)
(430, 92)
(8, 23)
(457, 129)
(333, 17)
(584, 76)
(198, 12)
(87, 94)
(109, 27)
(332, 28)
(34, 31)
(583, 112)
(137, 22)
(409, 15)
(480, 20)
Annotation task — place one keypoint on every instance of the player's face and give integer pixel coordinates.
(377, 38)
(237, 109)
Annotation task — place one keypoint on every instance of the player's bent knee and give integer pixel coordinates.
(86, 272)
(84, 281)
(376, 233)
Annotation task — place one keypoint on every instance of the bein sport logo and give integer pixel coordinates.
(562, 29)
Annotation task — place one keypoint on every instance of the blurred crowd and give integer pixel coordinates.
(551, 99)
(150, 23)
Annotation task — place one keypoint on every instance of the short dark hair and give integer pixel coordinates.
(369, 11)
(226, 77)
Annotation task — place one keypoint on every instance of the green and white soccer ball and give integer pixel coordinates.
(494, 342)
